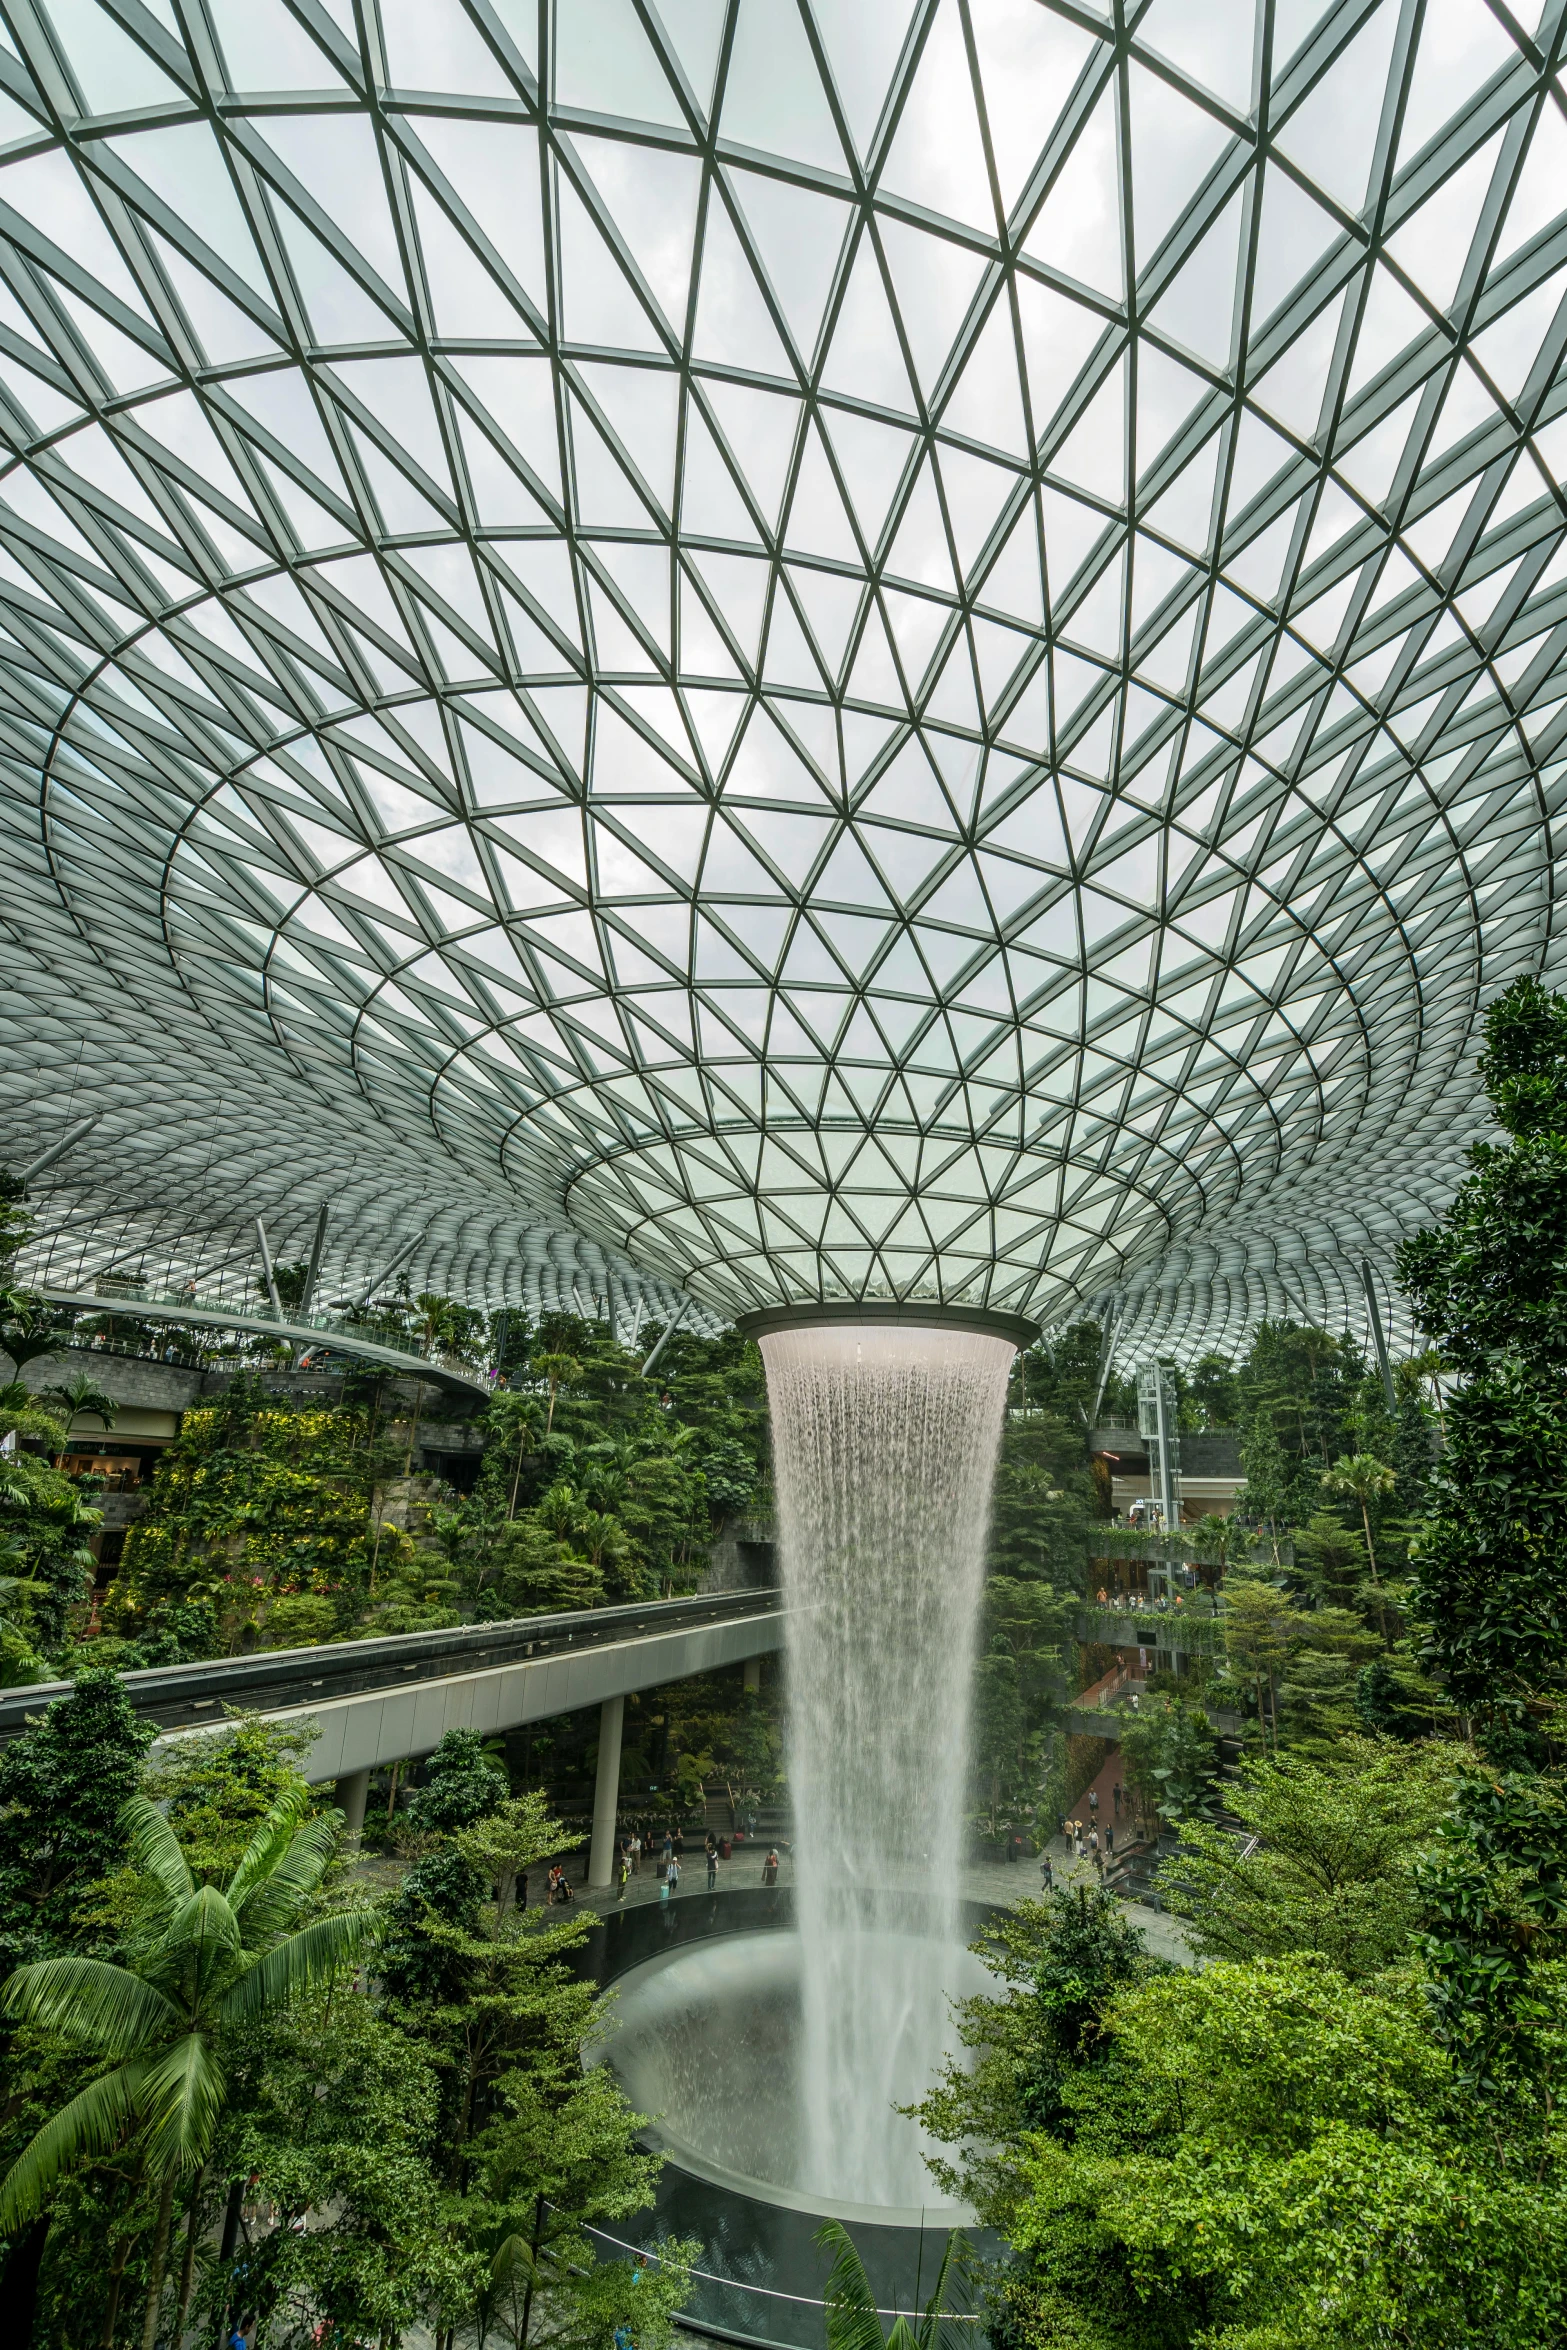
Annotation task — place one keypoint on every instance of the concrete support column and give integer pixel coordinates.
(606, 1792)
(352, 1793)
(753, 1674)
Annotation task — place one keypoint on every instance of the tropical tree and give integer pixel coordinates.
(512, 1426)
(1486, 1286)
(1330, 1863)
(560, 1370)
(1263, 1628)
(80, 1397)
(1363, 1479)
(205, 1962)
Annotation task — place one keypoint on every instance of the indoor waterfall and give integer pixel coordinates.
(885, 1438)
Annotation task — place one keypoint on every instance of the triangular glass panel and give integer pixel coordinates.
(1078, 231)
(773, 96)
(937, 158)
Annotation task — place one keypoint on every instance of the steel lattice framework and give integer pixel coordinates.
(848, 646)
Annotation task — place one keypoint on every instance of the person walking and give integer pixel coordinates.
(712, 1866)
(1047, 1874)
(1093, 1800)
(623, 1874)
(1115, 1794)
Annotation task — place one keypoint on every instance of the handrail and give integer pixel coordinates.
(279, 1679)
(302, 1330)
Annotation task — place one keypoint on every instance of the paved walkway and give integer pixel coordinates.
(996, 1881)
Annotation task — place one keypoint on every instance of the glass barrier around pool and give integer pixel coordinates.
(742, 2309)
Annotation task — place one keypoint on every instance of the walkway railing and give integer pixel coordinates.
(367, 1340)
(1192, 1627)
(185, 1696)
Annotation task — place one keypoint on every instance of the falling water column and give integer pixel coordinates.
(885, 1436)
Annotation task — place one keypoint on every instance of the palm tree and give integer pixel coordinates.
(1365, 1479)
(79, 1395)
(211, 1960)
(561, 1371)
(513, 1420)
(853, 2319)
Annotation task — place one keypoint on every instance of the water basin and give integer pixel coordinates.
(708, 2039)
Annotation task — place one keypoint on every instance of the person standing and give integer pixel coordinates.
(674, 1878)
(770, 1866)
(1109, 1839)
(1093, 1800)
(669, 1846)
(712, 1866)
(623, 1873)
(1115, 1793)
(636, 1853)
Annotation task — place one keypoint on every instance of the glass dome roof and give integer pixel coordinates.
(837, 647)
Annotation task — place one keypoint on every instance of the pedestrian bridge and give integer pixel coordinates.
(373, 1702)
(145, 1305)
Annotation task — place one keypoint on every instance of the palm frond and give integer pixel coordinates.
(307, 1959)
(92, 2004)
(272, 1901)
(513, 2256)
(182, 2095)
(92, 2124)
(933, 2330)
(202, 1934)
(267, 1845)
(154, 1848)
(853, 2320)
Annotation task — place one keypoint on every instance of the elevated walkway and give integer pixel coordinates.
(374, 1702)
(310, 1330)
(1197, 1628)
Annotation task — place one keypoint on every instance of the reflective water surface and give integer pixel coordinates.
(709, 2039)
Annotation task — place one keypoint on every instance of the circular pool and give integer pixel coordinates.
(702, 2036)
(706, 2037)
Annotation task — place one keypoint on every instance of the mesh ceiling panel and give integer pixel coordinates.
(835, 646)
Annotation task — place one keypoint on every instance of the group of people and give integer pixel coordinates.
(638, 1842)
(1084, 1839)
(1139, 1599)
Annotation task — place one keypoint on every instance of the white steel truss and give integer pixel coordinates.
(836, 646)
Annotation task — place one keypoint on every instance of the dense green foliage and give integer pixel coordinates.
(276, 1523)
(1488, 1287)
(45, 1518)
(244, 2086)
(1343, 2133)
